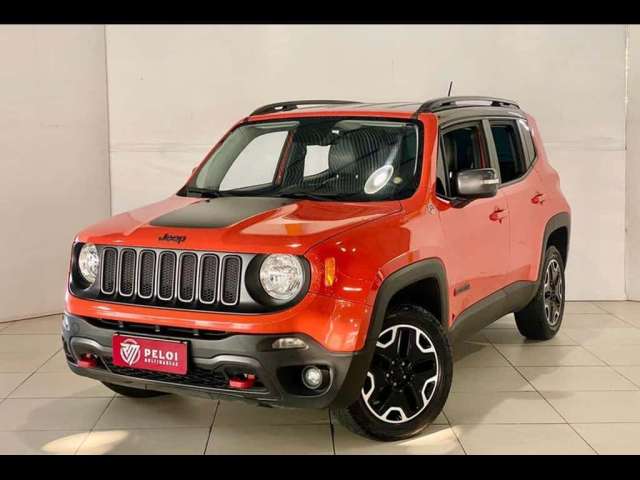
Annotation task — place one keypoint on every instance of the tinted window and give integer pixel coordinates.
(318, 158)
(464, 149)
(441, 175)
(528, 142)
(509, 150)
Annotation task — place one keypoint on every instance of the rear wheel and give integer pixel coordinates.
(408, 380)
(132, 392)
(542, 317)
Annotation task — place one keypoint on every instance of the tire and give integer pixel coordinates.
(542, 317)
(387, 412)
(132, 392)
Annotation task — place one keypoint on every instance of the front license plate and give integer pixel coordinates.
(168, 356)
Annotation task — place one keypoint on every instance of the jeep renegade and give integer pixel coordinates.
(328, 254)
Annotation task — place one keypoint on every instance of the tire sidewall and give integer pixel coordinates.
(374, 427)
(553, 254)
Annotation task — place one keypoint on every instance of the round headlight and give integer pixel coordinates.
(282, 276)
(88, 262)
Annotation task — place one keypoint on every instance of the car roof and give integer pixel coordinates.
(446, 108)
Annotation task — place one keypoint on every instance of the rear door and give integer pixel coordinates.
(477, 234)
(513, 156)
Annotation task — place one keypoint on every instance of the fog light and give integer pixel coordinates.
(287, 343)
(312, 377)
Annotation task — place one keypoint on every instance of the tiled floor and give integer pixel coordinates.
(579, 393)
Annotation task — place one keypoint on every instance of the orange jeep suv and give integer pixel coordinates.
(328, 254)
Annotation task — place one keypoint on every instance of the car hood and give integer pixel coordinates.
(235, 224)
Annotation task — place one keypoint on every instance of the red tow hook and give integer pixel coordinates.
(87, 361)
(242, 383)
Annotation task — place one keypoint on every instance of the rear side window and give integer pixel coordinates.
(511, 158)
(528, 142)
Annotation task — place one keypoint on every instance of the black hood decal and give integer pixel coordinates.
(219, 212)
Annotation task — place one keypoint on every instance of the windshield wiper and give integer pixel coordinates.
(311, 196)
(205, 192)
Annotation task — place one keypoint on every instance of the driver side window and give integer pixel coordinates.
(463, 148)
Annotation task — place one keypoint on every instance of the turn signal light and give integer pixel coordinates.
(329, 271)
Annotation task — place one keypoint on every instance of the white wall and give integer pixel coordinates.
(633, 166)
(53, 158)
(174, 90)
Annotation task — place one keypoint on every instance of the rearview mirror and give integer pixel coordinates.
(477, 183)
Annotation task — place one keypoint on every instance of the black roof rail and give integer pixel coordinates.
(445, 103)
(293, 104)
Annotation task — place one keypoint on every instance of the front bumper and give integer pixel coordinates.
(278, 372)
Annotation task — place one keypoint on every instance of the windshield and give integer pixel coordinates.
(322, 159)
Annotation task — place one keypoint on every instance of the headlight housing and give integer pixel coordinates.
(282, 276)
(88, 263)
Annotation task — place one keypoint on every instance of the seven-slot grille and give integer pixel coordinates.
(150, 275)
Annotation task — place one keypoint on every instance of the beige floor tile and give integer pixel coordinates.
(49, 344)
(149, 441)
(596, 407)
(611, 438)
(580, 320)
(627, 311)
(232, 413)
(617, 354)
(488, 379)
(503, 336)
(270, 439)
(508, 321)
(9, 381)
(51, 324)
(56, 364)
(473, 354)
(60, 385)
(435, 440)
(576, 379)
(582, 307)
(539, 355)
(521, 439)
(22, 362)
(158, 412)
(499, 407)
(604, 336)
(630, 372)
(41, 442)
(51, 414)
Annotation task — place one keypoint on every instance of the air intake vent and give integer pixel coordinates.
(231, 280)
(183, 279)
(209, 279)
(188, 271)
(147, 274)
(167, 275)
(109, 266)
(127, 272)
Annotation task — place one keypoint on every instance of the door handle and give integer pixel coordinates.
(538, 199)
(498, 215)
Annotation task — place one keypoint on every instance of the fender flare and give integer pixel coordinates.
(559, 220)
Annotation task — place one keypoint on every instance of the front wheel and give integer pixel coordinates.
(408, 380)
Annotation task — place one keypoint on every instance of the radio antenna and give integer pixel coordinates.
(450, 87)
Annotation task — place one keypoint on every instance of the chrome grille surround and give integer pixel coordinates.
(181, 278)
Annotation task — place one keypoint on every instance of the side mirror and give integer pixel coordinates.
(478, 183)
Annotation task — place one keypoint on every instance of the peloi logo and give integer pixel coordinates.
(130, 351)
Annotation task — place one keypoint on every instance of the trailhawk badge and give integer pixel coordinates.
(144, 353)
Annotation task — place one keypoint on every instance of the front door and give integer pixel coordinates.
(477, 234)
